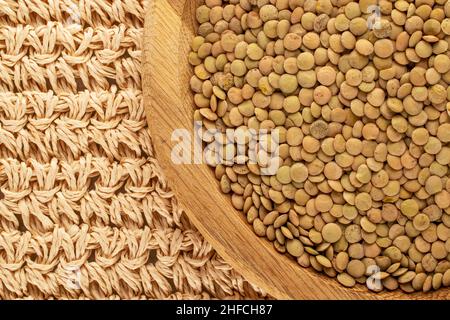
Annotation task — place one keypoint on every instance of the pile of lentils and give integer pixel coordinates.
(361, 106)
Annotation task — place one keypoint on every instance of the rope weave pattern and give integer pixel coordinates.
(80, 191)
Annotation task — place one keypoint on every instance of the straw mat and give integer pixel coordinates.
(85, 212)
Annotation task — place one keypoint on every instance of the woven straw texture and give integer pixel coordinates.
(85, 212)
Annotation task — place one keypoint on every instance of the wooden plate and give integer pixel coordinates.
(169, 28)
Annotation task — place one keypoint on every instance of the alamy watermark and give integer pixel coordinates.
(373, 281)
(232, 146)
(74, 18)
(71, 275)
(374, 19)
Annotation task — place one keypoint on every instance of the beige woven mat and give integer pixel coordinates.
(84, 209)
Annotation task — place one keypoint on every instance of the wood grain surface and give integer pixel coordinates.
(169, 28)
